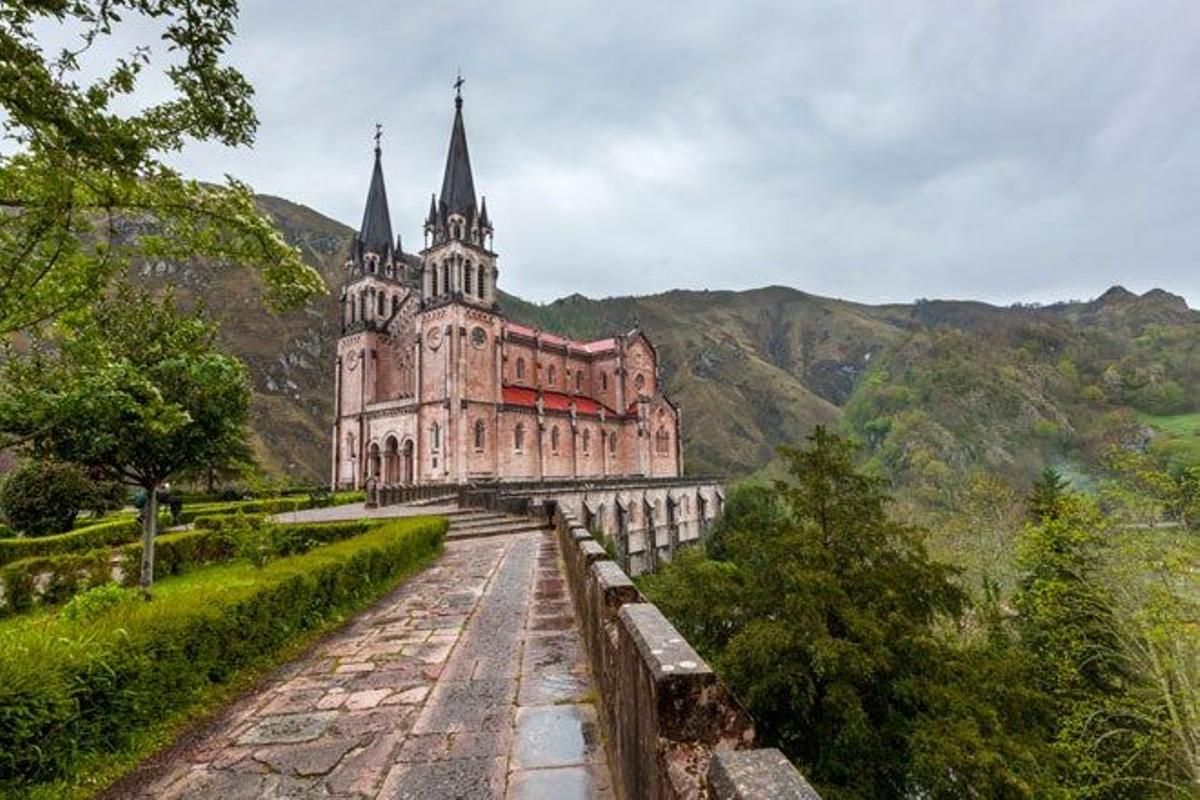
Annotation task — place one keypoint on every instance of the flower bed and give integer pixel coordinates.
(76, 690)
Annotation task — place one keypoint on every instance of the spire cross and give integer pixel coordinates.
(378, 135)
(458, 82)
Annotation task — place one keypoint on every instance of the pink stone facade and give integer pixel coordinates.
(435, 385)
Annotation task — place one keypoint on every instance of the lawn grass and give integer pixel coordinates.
(1178, 438)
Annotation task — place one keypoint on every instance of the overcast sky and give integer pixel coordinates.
(877, 151)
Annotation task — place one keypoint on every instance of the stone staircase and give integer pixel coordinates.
(468, 523)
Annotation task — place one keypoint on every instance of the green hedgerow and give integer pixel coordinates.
(78, 690)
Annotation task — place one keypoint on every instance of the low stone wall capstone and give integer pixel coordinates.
(674, 730)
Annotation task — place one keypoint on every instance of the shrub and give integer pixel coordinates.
(74, 690)
(97, 601)
(41, 498)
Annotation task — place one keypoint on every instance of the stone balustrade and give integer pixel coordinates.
(674, 730)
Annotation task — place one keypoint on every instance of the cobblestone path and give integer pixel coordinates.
(467, 682)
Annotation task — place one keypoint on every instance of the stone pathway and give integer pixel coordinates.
(467, 682)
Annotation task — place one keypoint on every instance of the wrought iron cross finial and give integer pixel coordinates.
(378, 135)
(458, 82)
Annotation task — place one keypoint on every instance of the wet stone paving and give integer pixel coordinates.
(469, 681)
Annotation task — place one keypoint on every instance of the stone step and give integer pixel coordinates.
(507, 529)
(434, 501)
(485, 521)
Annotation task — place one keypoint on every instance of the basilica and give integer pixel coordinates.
(435, 385)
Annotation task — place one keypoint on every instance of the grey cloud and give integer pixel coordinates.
(1004, 151)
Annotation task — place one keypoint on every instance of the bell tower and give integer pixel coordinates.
(459, 263)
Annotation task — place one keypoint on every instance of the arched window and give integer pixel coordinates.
(468, 275)
(433, 282)
(640, 381)
(612, 443)
(479, 431)
(587, 438)
(579, 381)
(435, 437)
(520, 369)
(554, 439)
(445, 277)
(663, 441)
(519, 437)
(382, 304)
(362, 306)
(604, 380)
(550, 376)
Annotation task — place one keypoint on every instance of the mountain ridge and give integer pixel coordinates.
(752, 369)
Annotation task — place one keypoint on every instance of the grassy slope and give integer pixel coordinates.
(1178, 439)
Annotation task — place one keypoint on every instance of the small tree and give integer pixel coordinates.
(40, 498)
(1107, 740)
(132, 388)
(1048, 491)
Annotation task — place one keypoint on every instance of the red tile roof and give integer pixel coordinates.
(553, 401)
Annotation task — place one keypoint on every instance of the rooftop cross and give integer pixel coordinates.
(378, 135)
(458, 82)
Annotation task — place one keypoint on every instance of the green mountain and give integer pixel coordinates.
(933, 388)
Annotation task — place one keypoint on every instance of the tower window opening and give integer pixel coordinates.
(479, 434)
(519, 437)
(468, 287)
(554, 440)
(520, 369)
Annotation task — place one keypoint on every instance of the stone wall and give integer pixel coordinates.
(646, 519)
(674, 730)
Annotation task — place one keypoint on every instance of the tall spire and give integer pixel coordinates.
(458, 187)
(375, 235)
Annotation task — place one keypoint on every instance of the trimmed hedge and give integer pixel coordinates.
(64, 576)
(70, 691)
(127, 529)
(216, 522)
(103, 534)
(270, 505)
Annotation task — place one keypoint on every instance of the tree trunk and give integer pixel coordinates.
(149, 531)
